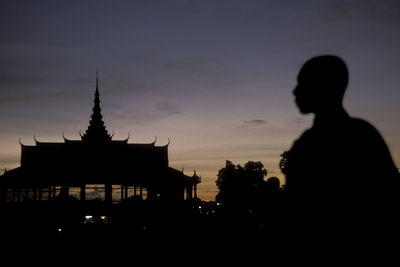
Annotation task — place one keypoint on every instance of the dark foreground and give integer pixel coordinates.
(196, 230)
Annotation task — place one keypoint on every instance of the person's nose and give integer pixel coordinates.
(295, 90)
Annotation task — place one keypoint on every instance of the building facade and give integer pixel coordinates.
(96, 167)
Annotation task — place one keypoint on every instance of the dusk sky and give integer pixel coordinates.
(215, 77)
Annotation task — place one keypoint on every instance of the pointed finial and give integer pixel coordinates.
(97, 80)
(96, 130)
(129, 135)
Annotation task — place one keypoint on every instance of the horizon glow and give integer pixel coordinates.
(214, 77)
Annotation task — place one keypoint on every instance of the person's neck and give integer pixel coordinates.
(330, 116)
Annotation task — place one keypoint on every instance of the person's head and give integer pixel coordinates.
(321, 84)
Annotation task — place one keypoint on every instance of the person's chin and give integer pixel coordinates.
(305, 112)
(303, 109)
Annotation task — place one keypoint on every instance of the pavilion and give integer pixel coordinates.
(95, 167)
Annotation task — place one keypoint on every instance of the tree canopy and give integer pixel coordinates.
(241, 185)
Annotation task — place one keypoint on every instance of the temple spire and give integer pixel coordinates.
(96, 131)
(97, 81)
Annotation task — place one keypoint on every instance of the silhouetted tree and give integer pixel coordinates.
(228, 183)
(273, 185)
(241, 187)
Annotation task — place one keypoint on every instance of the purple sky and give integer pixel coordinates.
(216, 77)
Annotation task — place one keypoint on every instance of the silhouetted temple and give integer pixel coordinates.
(96, 167)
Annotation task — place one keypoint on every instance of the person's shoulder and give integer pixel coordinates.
(365, 131)
(358, 124)
(303, 139)
(306, 134)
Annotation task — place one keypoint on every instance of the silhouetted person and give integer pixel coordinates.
(341, 166)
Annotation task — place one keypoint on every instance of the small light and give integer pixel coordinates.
(59, 230)
(103, 217)
(88, 219)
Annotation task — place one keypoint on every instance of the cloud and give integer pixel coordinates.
(16, 78)
(8, 159)
(7, 78)
(168, 108)
(256, 122)
(353, 12)
(337, 11)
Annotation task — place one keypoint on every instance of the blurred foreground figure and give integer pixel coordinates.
(341, 168)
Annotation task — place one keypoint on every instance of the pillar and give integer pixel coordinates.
(188, 192)
(108, 193)
(14, 194)
(40, 194)
(25, 197)
(18, 194)
(64, 191)
(34, 193)
(83, 192)
(195, 191)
